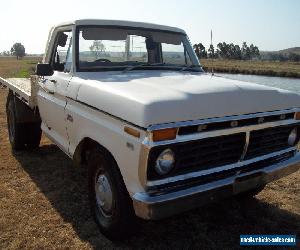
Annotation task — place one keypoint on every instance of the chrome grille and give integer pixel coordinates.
(201, 154)
(221, 150)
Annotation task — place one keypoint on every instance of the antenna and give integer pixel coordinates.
(212, 59)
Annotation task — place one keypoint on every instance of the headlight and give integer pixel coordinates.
(165, 162)
(292, 140)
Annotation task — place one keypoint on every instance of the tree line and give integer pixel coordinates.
(233, 51)
(228, 51)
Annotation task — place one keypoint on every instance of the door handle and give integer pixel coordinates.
(53, 81)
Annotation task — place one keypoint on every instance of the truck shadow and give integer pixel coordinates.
(216, 225)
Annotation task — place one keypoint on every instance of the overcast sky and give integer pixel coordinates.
(269, 24)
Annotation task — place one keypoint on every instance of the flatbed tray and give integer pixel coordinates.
(22, 89)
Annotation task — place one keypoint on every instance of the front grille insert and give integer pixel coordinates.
(269, 140)
(200, 154)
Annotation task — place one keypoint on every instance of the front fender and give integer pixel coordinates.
(109, 133)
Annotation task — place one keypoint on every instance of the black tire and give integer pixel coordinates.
(119, 221)
(34, 134)
(21, 135)
(250, 193)
(16, 137)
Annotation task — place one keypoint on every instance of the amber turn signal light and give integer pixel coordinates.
(164, 134)
(297, 116)
(132, 131)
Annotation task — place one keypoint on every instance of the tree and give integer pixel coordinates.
(246, 54)
(197, 50)
(200, 50)
(294, 57)
(211, 51)
(18, 50)
(222, 50)
(97, 48)
(254, 52)
(237, 53)
(5, 53)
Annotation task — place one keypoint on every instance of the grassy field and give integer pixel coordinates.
(44, 205)
(269, 68)
(10, 67)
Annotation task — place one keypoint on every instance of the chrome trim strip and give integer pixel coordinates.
(143, 165)
(219, 119)
(245, 146)
(201, 135)
(217, 169)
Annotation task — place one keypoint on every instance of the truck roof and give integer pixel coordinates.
(108, 22)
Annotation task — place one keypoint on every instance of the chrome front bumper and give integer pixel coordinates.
(159, 206)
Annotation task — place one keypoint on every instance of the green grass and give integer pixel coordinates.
(23, 73)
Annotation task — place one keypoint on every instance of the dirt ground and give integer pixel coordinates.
(44, 205)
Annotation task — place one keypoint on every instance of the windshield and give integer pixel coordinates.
(101, 48)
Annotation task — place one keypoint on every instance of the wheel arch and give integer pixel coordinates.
(84, 146)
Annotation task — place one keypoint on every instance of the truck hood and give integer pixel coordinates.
(146, 98)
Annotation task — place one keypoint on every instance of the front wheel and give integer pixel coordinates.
(110, 203)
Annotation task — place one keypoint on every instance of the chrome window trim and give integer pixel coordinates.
(216, 169)
(219, 119)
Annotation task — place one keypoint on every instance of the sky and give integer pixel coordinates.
(269, 24)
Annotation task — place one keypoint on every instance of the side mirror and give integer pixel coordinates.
(44, 69)
(62, 39)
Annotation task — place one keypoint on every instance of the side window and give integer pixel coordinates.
(175, 54)
(62, 57)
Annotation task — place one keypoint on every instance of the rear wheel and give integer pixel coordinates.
(21, 135)
(110, 203)
(16, 137)
(34, 134)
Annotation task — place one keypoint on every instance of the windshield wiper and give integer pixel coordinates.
(192, 66)
(142, 65)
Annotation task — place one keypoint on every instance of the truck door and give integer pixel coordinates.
(52, 93)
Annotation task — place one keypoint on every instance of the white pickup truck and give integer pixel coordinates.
(159, 136)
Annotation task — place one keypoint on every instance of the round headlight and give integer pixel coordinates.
(292, 137)
(165, 162)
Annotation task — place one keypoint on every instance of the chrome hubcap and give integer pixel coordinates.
(104, 194)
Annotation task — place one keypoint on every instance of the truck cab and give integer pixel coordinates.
(130, 102)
